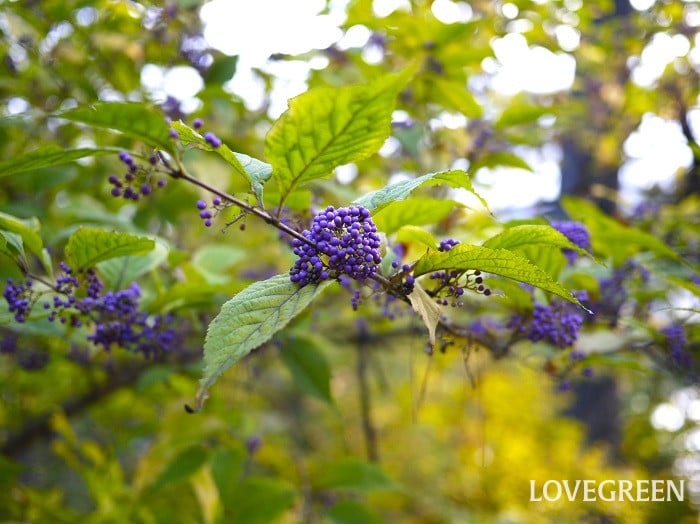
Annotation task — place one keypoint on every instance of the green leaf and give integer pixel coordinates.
(259, 500)
(27, 229)
(355, 475)
(416, 234)
(518, 237)
(401, 190)
(351, 512)
(520, 114)
(415, 211)
(226, 468)
(327, 127)
(455, 95)
(49, 156)
(123, 270)
(213, 261)
(612, 238)
(309, 368)
(255, 171)
(222, 70)
(248, 320)
(180, 468)
(500, 159)
(134, 119)
(497, 261)
(88, 246)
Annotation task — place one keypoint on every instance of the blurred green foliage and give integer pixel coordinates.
(342, 418)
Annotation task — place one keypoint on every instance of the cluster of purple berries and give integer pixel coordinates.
(408, 280)
(20, 298)
(345, 242)
(447, 244)
(558, 323)
(115, 316)
(452, 284)
(138, 181)
(613, 289)
(118, 321)
(577, 234)
(207, 214)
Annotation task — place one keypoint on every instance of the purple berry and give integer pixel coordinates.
(197, 123)
(216, 201)
(212, 139)
(201, 204)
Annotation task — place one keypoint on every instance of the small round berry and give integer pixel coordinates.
(113, 179)
(161, 182)
(207, 222)
(216, 201)
(201, 204)
(212, 139)
(146, 189)
(173, 134)
(197, 123)
(116, 192)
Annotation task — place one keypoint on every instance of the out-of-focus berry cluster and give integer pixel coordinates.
(140, 180)
(345, 243)
(577, 234)
(558, 323)
(614, 291)
(675, 343)
(115, 317)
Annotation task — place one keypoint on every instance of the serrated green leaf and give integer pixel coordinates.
(255, 171)
(351, 512)
(355, 475)
(612, 238)
(309, 368)
(518, 237)
(415, 211)
(327, 127)
(26, 228)
(88, 246)
(248, 320)
(49, 156)
(500, 159)
(131, 118)
(455, 95)
(520, 114)
(497, 261)
(401, 190)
